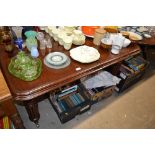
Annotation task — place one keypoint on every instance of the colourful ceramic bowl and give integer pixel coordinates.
(89, 30)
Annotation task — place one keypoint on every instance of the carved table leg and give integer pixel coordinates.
(11, 111)
(32, 110)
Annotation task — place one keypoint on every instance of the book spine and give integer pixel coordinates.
(61, 106)
(81, 97)
(73, 100)
(69, 102)
(76, 98)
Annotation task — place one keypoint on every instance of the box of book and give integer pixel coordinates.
(99, 93)
(70, 102)
(136, 63)
(131, 71)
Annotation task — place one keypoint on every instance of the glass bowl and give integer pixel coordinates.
(24, 67)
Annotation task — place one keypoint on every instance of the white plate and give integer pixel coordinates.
(56, 58)
(64, 65)
(147, 35)
(142, 29)
(135, 35)
(88, 35)
(84, 54)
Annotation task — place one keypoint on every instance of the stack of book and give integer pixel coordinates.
(131, 72)
(70, 102)
(135, 63)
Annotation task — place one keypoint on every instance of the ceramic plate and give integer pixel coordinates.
(142, 29)
(84, 54)
(147, 35)
(56, 58)
(88, 36)
(67, 63)
(135, 36)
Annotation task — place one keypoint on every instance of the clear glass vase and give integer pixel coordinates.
(18, 31)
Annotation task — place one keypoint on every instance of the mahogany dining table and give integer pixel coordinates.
(148, 49)
(30, 93)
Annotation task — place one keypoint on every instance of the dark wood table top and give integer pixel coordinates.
(51, 79)
(147, 41)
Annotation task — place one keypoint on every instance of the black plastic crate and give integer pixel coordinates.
(71, 104)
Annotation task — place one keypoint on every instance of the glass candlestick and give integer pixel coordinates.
(31, 40)
(40, 37)
(18, 31)
(19, 42)
(34, 52)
